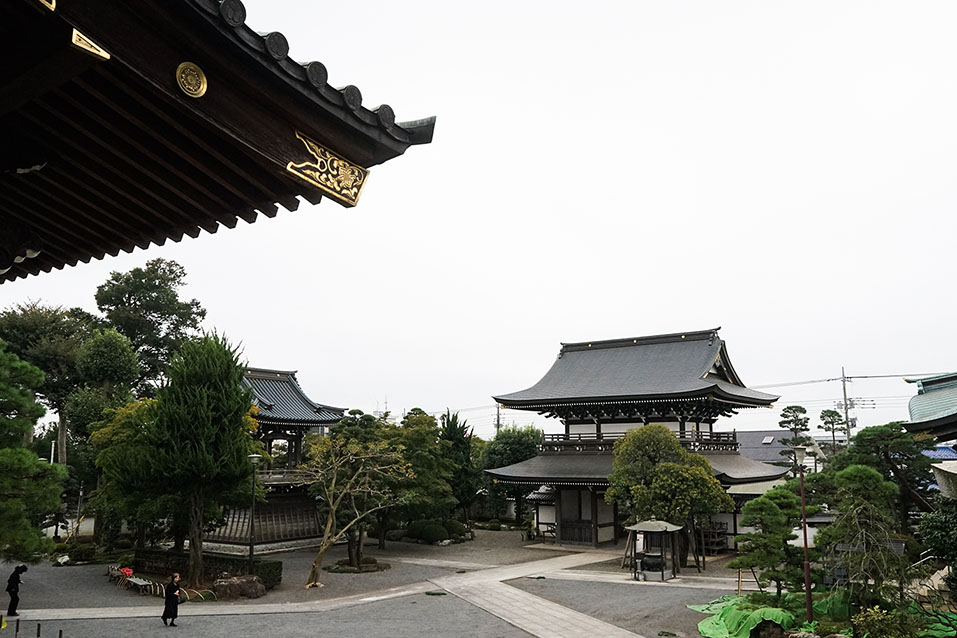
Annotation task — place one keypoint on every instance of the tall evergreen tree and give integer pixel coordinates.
(199, 442)
(466, 479)
(794, 420)
(29, 488)
(832, 421)
(144, 305)
(49, 337)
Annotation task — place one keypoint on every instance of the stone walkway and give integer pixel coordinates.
(481, 585)
(537, 616)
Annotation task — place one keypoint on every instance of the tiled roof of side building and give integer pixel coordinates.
(660, 367)
(751, 443)
(937, 397)
(280, 399)
(593, 469)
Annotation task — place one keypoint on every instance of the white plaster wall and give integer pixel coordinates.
(546, 514)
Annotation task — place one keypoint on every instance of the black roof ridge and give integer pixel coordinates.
(311, 78)
(263, 371)
(674, 337)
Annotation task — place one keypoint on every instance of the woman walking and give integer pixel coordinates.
(172, 601)
(13, 588)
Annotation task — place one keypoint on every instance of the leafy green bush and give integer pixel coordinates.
(269, 571)
(455, 527)
(84, 540)
(123, 543)
(81, 552)
(61, 548)
(434, 533)
(416, 528)
(880, 623)
(126, 560)
(494, 525)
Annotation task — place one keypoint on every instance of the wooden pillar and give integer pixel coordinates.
(734, 523)
(614, 517)
(598, 428)
(558, 515)
(594, 516)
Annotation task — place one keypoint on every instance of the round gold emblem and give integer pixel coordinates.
(191, 79)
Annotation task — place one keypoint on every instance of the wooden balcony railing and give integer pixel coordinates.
(601, 443)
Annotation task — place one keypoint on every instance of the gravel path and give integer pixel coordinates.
(47, 587)
(417, 616)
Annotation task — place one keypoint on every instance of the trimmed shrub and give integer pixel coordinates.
(126, 560)
(433, 533)
(416, 528)
(123, 543)
(84, 540)
(875, 621)
(269, 571)
(494, 525)
(81, 552)
(61, 548)
(455, 527)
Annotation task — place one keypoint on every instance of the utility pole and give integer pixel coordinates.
(847, 420)
(498, 418)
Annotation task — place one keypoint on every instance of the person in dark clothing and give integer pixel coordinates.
(13, 588)
(170, 611)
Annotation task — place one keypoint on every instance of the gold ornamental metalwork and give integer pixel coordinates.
(49, 4)
(191, 79)
(340, 179)
(87, 45)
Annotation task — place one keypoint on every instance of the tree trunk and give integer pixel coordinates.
(352, 545)
(328, 538)
(317, 566)
(61, 438)
(684, 543)
(382, 530)
(196, 509)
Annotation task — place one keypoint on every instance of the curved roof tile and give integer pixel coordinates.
(281, 400)
(659, 367)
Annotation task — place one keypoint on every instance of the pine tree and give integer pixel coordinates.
(200, 441)
(793, 419)
(29, 488)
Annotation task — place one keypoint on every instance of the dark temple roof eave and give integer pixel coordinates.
(715, 395)
(593, 470)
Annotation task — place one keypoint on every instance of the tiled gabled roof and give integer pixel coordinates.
(281, 400)
(657, 368)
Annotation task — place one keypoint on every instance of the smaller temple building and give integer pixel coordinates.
(285, 412)
(602, 389)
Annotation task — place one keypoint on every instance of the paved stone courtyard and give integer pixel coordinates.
(494, 586)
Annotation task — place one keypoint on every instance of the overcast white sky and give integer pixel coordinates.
(603, 170)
